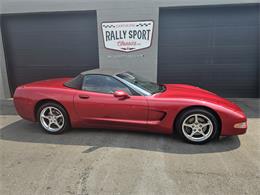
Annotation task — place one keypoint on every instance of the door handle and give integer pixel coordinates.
(83, 96)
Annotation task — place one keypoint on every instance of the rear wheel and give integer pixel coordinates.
(53, 118)
(198, 126)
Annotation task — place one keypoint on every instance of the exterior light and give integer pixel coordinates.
(241, 125)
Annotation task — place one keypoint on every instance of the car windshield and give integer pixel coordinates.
(142, 83)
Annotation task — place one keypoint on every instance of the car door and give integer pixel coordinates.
(97, 105)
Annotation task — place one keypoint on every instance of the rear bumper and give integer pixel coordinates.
(24, 106)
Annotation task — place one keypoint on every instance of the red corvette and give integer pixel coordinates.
(121, 100)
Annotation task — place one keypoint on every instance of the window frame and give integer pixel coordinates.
(133, 92)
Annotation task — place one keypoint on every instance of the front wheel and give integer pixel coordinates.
(53, 118)
(198, 126)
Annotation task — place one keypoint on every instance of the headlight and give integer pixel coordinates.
(241, 125)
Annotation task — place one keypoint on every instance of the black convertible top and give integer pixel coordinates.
(104, 71)
(76, 82)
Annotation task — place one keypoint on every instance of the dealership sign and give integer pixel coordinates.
(127, 36)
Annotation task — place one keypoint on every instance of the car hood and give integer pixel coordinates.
(195, 93)
(181, 90)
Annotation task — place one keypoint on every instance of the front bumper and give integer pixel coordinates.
(234, 123)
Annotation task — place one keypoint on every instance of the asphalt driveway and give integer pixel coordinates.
(87, 161)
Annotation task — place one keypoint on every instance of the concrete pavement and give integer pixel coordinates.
(85, 161)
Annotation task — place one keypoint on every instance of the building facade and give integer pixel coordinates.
(210, 44)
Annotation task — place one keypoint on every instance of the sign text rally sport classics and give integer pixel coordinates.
(127, 36)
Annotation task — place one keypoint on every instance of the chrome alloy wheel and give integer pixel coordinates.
(52, 119)
(197, 127)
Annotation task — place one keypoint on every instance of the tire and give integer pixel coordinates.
(198, 126)
(53, 118)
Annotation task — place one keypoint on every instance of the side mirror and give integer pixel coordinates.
(121, 95)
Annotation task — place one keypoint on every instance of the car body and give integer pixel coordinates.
(130, 107)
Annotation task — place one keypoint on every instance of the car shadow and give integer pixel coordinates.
(24, 131)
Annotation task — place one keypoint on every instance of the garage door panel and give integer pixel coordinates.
(48, 45)
(55, 21)
(55, 37)
(196, 76)
(234, 35)
(55, 72)
(236, 15)
(190, 18)
(235, 55)
(215, 79)
(38, 48)
(44, 56)
(216, 48)
(184, 55)
(193, 36)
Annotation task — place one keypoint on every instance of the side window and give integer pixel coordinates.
(103, 84)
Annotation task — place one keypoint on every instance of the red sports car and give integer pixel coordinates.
(122, 100)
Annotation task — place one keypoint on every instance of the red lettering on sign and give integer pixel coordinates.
(126, 43)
